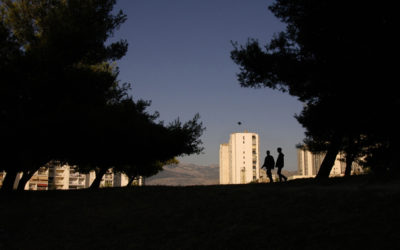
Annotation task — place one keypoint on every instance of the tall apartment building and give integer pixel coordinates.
(76, 180)
(239, 159)
(309, 164)
(39, 180)
(120, 180)
(224, 163)
(59, 177)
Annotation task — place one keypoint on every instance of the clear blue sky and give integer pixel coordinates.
(179, 58)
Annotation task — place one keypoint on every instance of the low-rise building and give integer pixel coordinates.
(309, 164)
(64, 177)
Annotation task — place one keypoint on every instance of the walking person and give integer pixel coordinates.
(280, 164)
(269, 164)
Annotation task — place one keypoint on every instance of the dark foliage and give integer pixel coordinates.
(336, 57)
(60, 98)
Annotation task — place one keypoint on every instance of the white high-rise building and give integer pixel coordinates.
(224, 163)
(239, 159)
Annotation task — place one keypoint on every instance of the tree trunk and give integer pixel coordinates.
(9, 179)
(329, 160)
(349, 162)
(130, 181)
(97, 180)
(25, 178)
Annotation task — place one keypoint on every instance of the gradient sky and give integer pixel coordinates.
(179, 58)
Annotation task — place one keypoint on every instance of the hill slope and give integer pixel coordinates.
(186, 175)
(191, 174)
(341, 214)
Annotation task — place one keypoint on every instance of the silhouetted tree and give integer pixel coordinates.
(53, 52)
(332, 56)
(319, 133)
(126, 138)
(10, 54)
(163, 146)
(141, 170)
(62, 100)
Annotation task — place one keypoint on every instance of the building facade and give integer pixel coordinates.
(39, 180)
(239, 159)
(309, 164)
(59, 177)
(76, 180)
(224, 163)
(65, 177)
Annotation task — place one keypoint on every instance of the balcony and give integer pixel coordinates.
(76, 182)
(76, 185)
(108, 177)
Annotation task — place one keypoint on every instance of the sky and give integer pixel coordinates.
(179, 59)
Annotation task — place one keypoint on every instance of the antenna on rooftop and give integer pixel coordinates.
(240, 123)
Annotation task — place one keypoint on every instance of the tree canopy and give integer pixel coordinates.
(336, 57)
(60, 98)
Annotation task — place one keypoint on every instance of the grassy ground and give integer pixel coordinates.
(341, 214)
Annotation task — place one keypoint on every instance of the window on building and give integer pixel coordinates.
(108, 183)
(42, 171)
(243, 175)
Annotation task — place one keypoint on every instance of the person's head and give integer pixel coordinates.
(279, 150)
(267, 152)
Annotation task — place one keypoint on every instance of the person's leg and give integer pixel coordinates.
(279, 174)
(269, 175)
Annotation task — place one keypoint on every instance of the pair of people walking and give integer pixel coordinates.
(269, 164)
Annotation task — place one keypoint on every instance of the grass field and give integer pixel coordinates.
(341, 214)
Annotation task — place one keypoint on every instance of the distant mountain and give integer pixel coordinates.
(186, 175)
(191, 174)
(287, 173)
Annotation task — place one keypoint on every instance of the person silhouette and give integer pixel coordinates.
(280, 164)
(269, 164)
